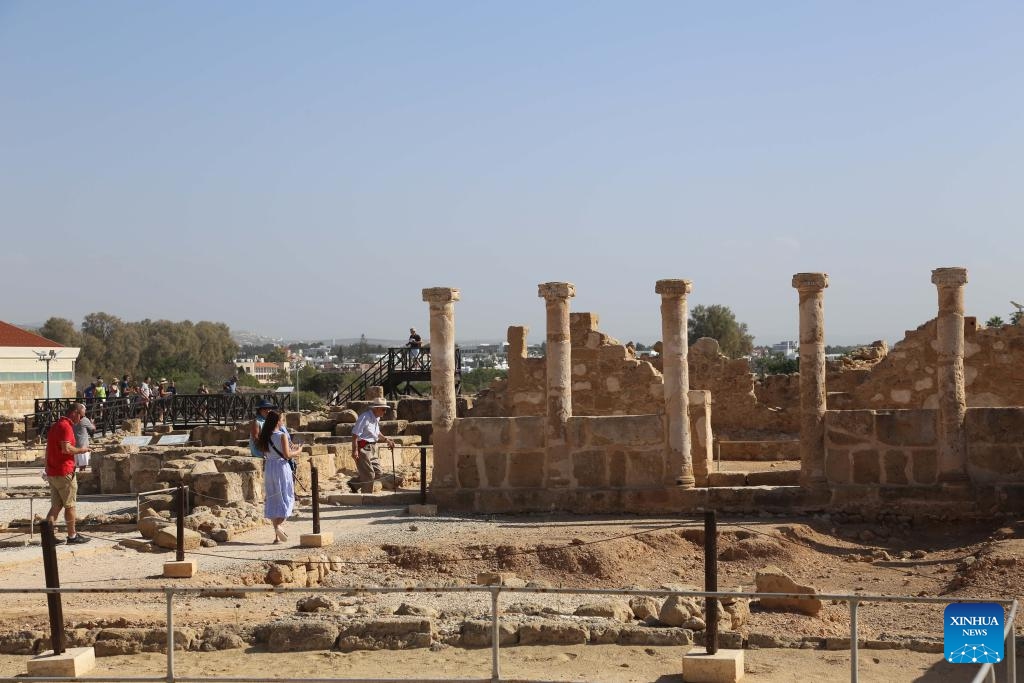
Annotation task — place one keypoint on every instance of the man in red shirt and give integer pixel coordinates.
(60, 470)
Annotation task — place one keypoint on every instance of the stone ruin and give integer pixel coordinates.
(593, 428)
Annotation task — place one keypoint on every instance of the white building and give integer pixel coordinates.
(25, 358)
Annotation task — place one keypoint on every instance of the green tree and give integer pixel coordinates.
(475, 380)
(1016, 316)
(719, 322)
(994, 321)
(776, 364)
(62, 331)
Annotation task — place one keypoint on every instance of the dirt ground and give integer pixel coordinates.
(606, 663)
(385, 547)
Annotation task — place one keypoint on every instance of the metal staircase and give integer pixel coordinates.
(395, 371)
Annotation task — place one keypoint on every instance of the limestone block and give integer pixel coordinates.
(790, 477)
(467, 470)
(302, 636)
(478, 633)
(346, 416)
(866, 467)
(838, 469)
(634, 430)
(644, 607)
(218, 488)
(590, 468)
(495, 468)
(906, 427)
(167, 537)
(115, 472)
(72, 663)
(617, 610)
(236, 463)
(644, 467)
(995, 425)
(894, 463)
(552, 633)
(185, 569)
(727, 478)
(527, 433)
(678, 610)
(132, 427)
(414, 409)
(924, 465)
(771, 579)
(995, 463)
(852, 423)
(526, 469)
(725, 666)
(325, 465)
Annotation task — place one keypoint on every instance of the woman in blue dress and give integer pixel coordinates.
(278, 483)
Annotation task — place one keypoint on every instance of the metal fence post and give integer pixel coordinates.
(495, 635)
(854, 676)
(180, 546)
(315, 483)
(170, 635)
(1011, 655)
(711, 581)
(423, 475)
(53, 602)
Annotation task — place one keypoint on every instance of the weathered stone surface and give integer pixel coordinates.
(315, 603)
(221, 637)
(477, 633)
(552, 633)
(644, 607)
(391, 633)
(616, 610)
(302, 636)
(166, 537)
(771, 579)
(678, 610)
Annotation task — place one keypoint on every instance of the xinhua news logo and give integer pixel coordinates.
(973, 633)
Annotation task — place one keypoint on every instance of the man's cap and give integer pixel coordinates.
(380, 403)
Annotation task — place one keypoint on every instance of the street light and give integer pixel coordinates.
(47, 357)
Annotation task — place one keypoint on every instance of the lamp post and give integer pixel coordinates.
(296, 386)
(47, 357)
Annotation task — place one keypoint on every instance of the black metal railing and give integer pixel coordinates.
(398, 367)
(180, 410)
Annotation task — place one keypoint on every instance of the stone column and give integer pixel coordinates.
(811, 287)
(442, 382)
(558, 356)
(674, 348)
(949, 337)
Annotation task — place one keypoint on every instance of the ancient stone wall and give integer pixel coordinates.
(607, 379)
(737, 411)
(17, 399)
(603, 452)
(900, 447)
(993, 370)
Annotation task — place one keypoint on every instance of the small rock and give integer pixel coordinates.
(315, 603)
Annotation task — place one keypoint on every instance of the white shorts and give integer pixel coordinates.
(82, 459)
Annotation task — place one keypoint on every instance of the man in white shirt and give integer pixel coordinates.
(365, 435)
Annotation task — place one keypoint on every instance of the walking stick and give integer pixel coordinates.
(394, 474)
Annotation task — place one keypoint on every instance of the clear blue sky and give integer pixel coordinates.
(305, 169)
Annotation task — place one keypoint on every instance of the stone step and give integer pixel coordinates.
(788, 449)
(384, 498)
(765, 478)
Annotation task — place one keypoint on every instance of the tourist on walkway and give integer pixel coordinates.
(415, 343)
(279, 485)
(83, 430)
(60, 470)
(256, 426)
(365, 435)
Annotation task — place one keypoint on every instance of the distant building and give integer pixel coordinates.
(264, 371)
(23, 375)
(789, 349)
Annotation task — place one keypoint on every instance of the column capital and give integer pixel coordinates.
(949, 277)
(673, 288)
(810, 281)
(553, 291)
(441, 295)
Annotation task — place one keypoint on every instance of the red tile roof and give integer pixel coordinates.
(15, 336)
